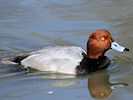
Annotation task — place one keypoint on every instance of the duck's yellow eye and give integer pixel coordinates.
(102, 38)
(102, 94)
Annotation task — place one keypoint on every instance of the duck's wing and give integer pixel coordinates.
(58, 59)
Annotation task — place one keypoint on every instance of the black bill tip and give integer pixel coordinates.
(126, 49)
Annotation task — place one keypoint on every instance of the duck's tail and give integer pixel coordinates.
(15, 59)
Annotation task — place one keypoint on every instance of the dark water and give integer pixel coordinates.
(26, 25)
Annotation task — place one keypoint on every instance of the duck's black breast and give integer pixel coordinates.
(89, 65)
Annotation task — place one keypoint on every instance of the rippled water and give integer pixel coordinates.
(27, 25)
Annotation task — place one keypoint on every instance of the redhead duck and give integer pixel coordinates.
(71, 59)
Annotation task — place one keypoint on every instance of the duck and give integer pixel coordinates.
(70, 59)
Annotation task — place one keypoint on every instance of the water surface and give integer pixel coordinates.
(27, 25)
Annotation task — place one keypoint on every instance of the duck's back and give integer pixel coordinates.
(62, 59)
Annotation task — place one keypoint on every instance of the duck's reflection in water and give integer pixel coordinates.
(99, 85)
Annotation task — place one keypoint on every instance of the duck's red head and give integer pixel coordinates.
(99, 42)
